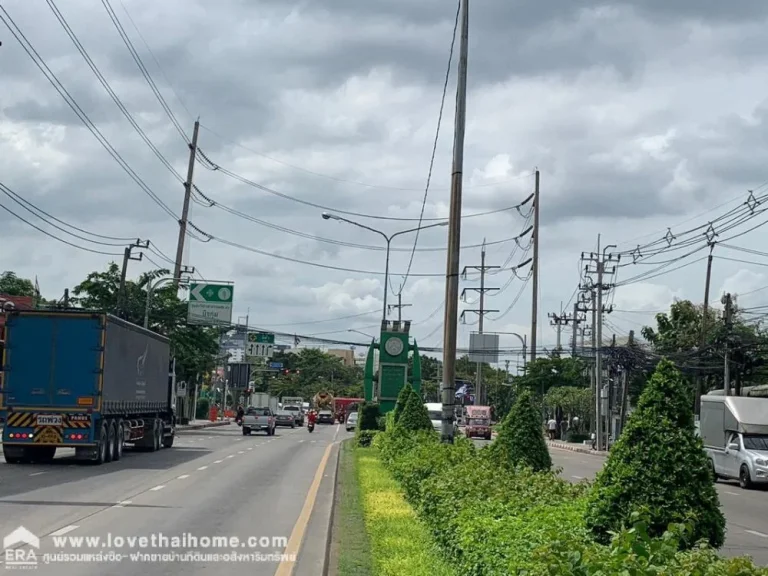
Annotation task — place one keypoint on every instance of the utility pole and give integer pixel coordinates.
(127, 255)
(450, 319)
(185, 208)
(575, 320)
(558, 320)
(599, 259)
(481, 312)
(727, 301)
(625, 386)
(535, 269)
(399, 306)
(703, 335)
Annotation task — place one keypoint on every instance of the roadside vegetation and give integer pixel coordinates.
(503, 511)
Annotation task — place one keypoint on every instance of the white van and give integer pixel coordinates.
(435, 410)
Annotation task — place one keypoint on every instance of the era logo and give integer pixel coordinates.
(20, 557)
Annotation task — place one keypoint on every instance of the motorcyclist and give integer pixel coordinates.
(240, 414)
(312, 417)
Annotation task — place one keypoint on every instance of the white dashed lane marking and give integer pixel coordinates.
(182, 477)
(202, 467)
(156, 488)
(65, 530)
(756, 533)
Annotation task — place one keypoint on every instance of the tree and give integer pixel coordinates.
(415, 417)
(311, 370)
(402, 399)
(678, 335)
(545, 373)
(12, 285)
(658, 467)
(521, 438)
(571, 401)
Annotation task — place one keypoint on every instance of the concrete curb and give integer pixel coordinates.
(576, 448)
(332, 515)
(202, 426)
(317, 542)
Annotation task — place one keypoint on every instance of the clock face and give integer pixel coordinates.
(394, 346)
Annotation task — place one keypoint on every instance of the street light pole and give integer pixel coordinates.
(151, 287)
(388, 240)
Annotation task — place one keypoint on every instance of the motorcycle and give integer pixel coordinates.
(310, 427)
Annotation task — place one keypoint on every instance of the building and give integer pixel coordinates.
(347, 355)
(19, 302)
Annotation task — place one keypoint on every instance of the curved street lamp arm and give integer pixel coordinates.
(379, 232)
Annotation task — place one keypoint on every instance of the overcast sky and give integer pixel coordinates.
(640, 116)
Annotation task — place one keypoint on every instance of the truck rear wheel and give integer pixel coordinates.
(117, 451)
(158, 436)
(110, 451)
(101, 447)
(13, 455)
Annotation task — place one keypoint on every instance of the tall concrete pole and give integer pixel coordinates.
(450, 321)
(535, 269)
(185, 207)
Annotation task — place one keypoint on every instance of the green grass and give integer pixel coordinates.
(350, 540)
(400, 544)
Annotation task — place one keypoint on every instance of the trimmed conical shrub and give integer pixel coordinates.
(402, 398)
(520, 441)
(658, 467)
(415, 417)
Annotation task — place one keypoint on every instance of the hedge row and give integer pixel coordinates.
(491, 523)
(492, 514)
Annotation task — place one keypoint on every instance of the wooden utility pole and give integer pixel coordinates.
(185, 208)
(451, 317)
(535, 269)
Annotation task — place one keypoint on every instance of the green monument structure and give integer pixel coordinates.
(394, 348)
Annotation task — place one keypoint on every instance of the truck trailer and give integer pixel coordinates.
(83, 380)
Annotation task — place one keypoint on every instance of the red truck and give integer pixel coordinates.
(478, 422)
(342, 406)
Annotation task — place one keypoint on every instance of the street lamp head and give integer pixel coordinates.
(326, 216)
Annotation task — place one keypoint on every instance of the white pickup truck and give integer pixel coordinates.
(258, 419)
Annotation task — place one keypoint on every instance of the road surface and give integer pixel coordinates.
(213, 483)
(746, 511)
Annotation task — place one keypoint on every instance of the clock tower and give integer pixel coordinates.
(394, 348)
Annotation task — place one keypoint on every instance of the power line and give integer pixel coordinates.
(214, 167)
(434, 148)
(28, 223)
(353, 182)
(143, 69)
(72, 103)
(105, 84)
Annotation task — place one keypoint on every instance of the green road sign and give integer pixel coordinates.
(210, 304)
(261, 338)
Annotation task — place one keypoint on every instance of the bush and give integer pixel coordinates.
(202, 411)
(520, 441)
(369, 416)
(402, 400)
(364, 438)
(415, 417)
(576, 437)
(489, 522)
(658, 465)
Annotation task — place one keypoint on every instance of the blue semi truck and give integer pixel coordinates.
(83, 380)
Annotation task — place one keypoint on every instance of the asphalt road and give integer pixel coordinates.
(746, 511)
(212, 483)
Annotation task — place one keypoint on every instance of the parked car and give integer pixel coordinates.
(297, 413)
(258, 419)
(325, 417)
(285, 418)
(351, 421)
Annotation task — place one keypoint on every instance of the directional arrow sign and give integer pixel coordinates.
(261, 337)
(210, 304)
